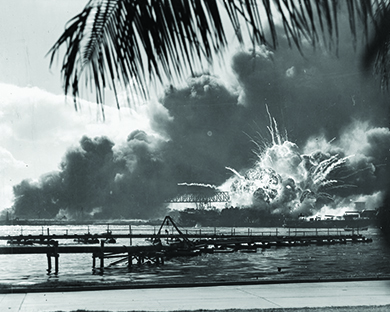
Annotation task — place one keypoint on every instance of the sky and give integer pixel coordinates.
(315, 125)
(37, 123)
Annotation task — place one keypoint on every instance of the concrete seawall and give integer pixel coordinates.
(260, 296)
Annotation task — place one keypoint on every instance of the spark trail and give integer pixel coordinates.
(284, 179)
(198, 184)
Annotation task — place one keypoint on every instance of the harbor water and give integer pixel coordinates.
(338, 261)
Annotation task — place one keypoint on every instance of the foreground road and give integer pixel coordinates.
(262, 296)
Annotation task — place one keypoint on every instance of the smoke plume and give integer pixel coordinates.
(333, 149)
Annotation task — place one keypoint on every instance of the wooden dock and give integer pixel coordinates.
(164, 246)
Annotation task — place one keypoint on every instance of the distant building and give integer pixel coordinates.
(368, 213)
(329, 217)
(360, 206)
(350, 215)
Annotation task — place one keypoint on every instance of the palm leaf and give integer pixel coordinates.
(378, 48)
(125, 44)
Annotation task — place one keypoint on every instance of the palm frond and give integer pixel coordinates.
(377, 51)
(124, 44)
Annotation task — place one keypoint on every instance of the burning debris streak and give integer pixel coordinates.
(198, 184)
(273, 129)
(235, 172)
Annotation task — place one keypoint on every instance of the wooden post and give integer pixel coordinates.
(52, 252)
(130, 234)
(102, 254)
(56, 256)
(93, 260)
(129, 260)
(56, 267)
(48, 262)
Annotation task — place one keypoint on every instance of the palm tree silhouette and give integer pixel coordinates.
(123, 44)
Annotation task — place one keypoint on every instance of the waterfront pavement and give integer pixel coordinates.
(259, 296)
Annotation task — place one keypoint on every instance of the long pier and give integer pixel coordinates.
(43, 238)
(164, 246)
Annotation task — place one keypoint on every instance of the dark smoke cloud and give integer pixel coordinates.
(206, 126)
(206, 131)
(145, 180)
(315, 94)
(131, 181)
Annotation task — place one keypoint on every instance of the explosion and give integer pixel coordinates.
(264, 183)
(284, 180)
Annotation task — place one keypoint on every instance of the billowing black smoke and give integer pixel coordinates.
(206, 130)
(95, 179)
(205, 127)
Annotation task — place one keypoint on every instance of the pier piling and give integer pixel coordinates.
(129, 260)
(48, 263)
(101, 255)
(53, 252)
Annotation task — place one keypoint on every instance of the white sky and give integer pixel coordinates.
(37, 126)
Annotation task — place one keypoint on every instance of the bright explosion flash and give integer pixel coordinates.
(284, 180)
(329, 175)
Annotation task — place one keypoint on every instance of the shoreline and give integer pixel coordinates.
(332, 296)
(53, 286)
